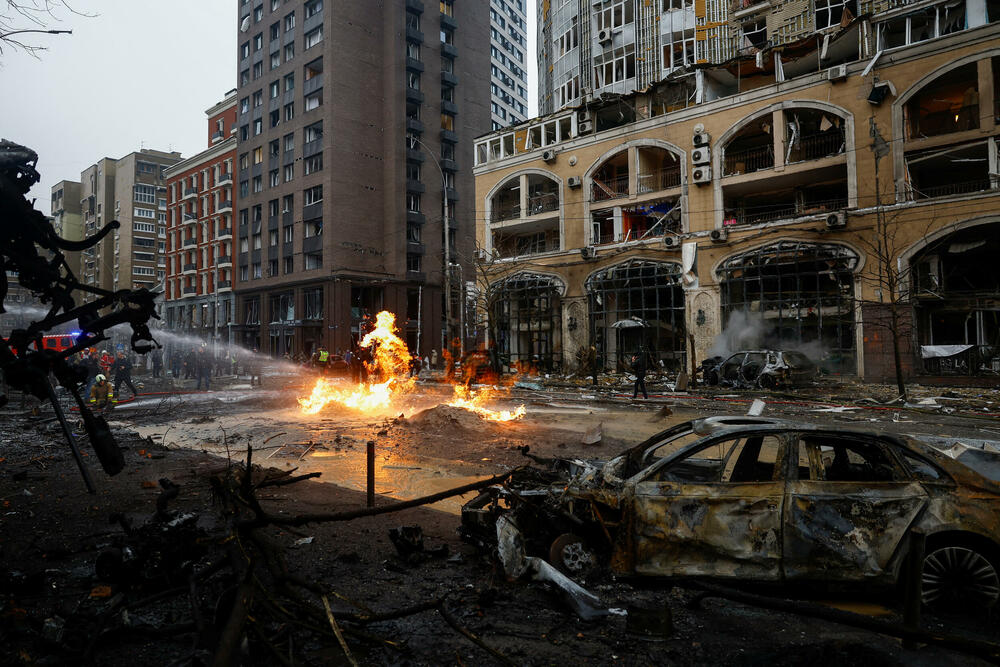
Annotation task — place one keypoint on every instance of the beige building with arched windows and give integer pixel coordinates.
(784, 199)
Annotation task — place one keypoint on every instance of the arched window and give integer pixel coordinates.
(792, 295)
(525, 216)
(525, 324)
(638, 304)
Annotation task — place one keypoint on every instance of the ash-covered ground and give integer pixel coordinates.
(57, 610)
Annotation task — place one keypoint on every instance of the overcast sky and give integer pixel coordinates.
(138, 74)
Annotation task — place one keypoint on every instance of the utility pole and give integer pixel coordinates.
(447, 248)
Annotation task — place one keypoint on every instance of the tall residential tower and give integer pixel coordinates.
(356, 122)
(508, 63)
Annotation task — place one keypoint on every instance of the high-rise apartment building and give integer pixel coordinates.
(356, 121)
(508, 63)
(66, 218)
(131, 190)
(200, 204)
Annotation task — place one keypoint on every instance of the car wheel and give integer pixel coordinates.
(712, 379)
(767, 382)
(960, 576)
(571, 555)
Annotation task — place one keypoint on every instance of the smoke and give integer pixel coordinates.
(749, 331)
(743, 332)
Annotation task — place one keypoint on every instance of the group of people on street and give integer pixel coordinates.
(98, 367)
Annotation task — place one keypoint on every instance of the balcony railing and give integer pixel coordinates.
(190, 290)
(614, 188)
(191, 241)
(225, 284)
(748, 161)
(225, 231)
(190, 192)
(225, 178)
(543, 203)
(661, 179)
(190, 268)
(943, 122)
(816, 147)
(223, 259)
(190, 217)
(761, 214)
(740, 5)
(509, 212)
(949, 189)
(224, 206)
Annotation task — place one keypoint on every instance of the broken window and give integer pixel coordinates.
(811, 134)
(789, 196)
(829, 13)
(638, 304)
(603, 230)
(751, 149)
(614, 66)
(610, 181)
(507, 244)
(526, 321)
(957, 294)
(754, 34)
(678, 49)
(543, 194)
(659, 169)
(949, 103)
(651, 220)
(251, 309)
(282, 307)
(795, 295)
(313, 301)
(507, 201)
(948, 171)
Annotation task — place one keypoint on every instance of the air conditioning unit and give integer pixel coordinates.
(574, 181)
(671, 241)
(701, 156)
(836, 220)
(838, 73)
(585, 127)
(583, 114)
(701, 139)
(604, 36)
(549, 155)
(588, 252)
(718, 235)
(702, 174)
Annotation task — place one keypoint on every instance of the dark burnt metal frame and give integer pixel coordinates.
(791, 284)
(30, 248)
(649, 290)
(527, 306)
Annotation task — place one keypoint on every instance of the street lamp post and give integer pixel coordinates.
(447, 247)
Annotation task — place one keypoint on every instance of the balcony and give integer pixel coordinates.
(414, 65)
(748, 160)
(190, 193)
(449, 50)
(414, 35)
(225, 178)
(225, 286)
(448, 22)
(448, 79)
(449, 165)
(415, 6)
(190, 291)
(311, 148)
(509, 212)
(225, 207)
(223, 261)
(449, 136)
(224, 233)
(217, 136)
(661, 179)
(190, 218)
(414, 125)
(605, 190)
(449, 107)
(414, 95)
(189, 269)
(817, 147)
(190, 242)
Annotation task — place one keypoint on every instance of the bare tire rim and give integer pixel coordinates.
(576, 557)
(959, 577)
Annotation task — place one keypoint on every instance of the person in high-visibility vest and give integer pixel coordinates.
(102, 393)
(321, 359)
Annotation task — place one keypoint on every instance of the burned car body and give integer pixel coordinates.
(761, 500)
(767, 369)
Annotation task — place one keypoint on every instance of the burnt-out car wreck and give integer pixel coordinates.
(764, 369)
(758, 500)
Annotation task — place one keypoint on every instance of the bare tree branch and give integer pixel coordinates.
(32, 17)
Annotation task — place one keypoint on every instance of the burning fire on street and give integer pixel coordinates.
(389, 381)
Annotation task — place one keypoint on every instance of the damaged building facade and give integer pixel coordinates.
(796, 194)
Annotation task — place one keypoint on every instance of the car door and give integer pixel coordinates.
(848, 509)
(712, 511)
(729, 372)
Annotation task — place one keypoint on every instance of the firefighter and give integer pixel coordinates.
(101, 394)
(123, 373)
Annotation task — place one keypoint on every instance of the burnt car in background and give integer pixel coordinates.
(766, 369)
(759, 500)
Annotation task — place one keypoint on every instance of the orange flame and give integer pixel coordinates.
(472, 400)
(388, 372)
